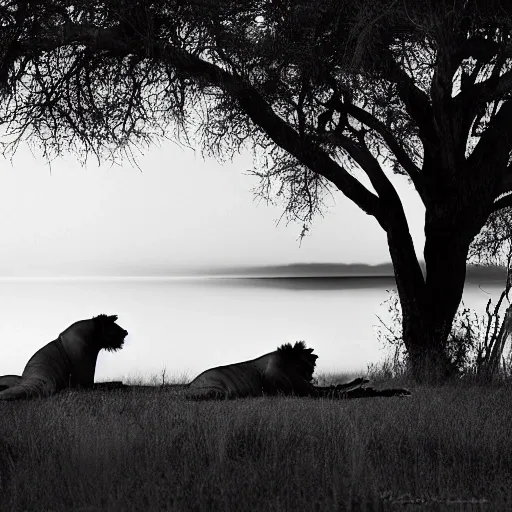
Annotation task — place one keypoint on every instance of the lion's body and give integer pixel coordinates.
(69, 361)
(287, 371)
(240, 380)
(7, 381)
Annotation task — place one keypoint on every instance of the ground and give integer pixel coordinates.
(149, 449)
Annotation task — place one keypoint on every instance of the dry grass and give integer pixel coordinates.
(444, 448)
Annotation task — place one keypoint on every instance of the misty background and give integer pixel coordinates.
(83, 240)
(177, 214)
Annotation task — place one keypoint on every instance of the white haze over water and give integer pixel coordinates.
(188, 325)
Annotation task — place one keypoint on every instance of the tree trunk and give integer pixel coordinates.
(446, 251)
(429, 305)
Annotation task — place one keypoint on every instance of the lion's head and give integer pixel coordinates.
(108, 334)
(300, 358)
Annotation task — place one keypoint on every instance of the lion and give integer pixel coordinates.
(287, 371)
(7, 381)
(67, 362)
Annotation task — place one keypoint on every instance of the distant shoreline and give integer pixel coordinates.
(288, 272)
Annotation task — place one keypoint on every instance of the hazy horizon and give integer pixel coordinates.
(175, 214)
(288, 270)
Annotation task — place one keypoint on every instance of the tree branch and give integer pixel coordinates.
(262, 115)
(368, 164)
(502, 202)
(504, 196)
(403, 158)
(474, 96)
(505, 185)
(481, 49)
(495, 143)
(71, 34)
(472, 99)
(259, 111)
(415, 100)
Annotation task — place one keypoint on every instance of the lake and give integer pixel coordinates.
(186, 325)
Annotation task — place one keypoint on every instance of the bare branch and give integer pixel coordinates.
(415, 100)
(403, 158)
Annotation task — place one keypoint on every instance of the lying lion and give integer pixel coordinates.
(287, 371)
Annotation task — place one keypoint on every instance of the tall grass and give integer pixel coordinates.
(478, 346)
(151, 450)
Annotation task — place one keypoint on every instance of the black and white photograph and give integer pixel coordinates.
(255, 255)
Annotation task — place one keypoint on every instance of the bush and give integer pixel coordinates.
(470, 344)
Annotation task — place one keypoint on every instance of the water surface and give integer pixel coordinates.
(188, 325)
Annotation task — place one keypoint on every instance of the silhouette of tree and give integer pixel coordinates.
(325, 91)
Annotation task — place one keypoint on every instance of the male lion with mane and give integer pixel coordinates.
(287, 371)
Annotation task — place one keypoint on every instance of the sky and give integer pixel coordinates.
(177, 214)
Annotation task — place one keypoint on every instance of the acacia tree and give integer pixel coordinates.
(323, 89)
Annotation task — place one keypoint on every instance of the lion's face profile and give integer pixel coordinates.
(297, 359)
(110, 335)
(101, 332)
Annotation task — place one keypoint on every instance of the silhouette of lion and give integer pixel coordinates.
(287, 371)
(7, 381)
(8, 458)
(67, 362)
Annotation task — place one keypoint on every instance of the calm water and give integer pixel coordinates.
(188, 325)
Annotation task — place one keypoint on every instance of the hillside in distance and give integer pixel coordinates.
(310, 270)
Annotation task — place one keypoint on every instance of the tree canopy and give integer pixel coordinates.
(322, 89)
